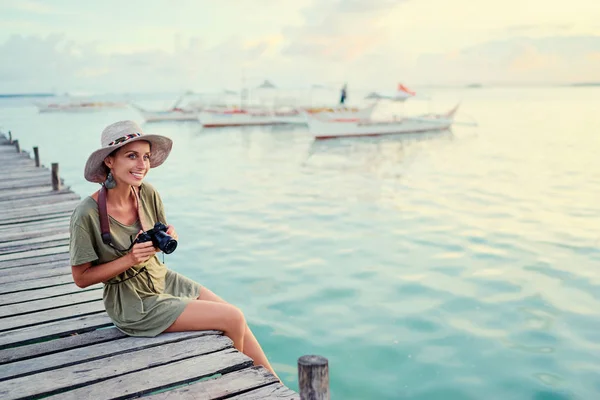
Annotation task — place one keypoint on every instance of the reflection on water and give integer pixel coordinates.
(458, 265)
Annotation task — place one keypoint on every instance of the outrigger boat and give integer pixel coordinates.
(175, 113)
(334, 128)
(79, 106)
(233, 116)
(330, 128)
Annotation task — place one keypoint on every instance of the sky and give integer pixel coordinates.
(156, 46)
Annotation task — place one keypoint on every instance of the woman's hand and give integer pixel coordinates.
(142, 252)
(171, 232)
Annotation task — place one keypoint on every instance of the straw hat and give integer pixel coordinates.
(117, 135)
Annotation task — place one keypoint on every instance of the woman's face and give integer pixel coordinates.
(130, 164)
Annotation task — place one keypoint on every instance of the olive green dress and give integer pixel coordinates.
(147, 298)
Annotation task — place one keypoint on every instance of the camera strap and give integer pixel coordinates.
(103, 212)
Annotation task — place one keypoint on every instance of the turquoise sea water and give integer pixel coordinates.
(463, 265)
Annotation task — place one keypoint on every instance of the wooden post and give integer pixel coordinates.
(55, 177)
(18, 146)
(37, 156)
(10, 137)
(313, 377)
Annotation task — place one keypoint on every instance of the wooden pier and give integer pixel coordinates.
(56, 340)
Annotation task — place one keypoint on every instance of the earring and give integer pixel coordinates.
(110, 182)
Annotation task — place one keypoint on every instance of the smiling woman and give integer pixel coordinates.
(141, 296)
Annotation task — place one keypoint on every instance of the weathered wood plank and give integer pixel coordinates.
(24, 336)
(51, 292)
(27, 274)
(271, 392)
(56, 314)
(18, 194)
(61, 344)
(31, 218)
(94, 352)
(15, 159)
(23, 269)
(33, 253)
(8, 249)
(36, 260)
(33, 226)
(35, 201)
(35, 284)
(153, 379)
(47, 304)
(21, 174)
(6, 238)
(24, 184)
(217, 388)
(221, 357)
(46, 209)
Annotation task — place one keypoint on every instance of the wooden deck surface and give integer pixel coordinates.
(56, 340)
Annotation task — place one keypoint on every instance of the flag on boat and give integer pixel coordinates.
(402, 88)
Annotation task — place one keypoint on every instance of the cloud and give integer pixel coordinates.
(535, 28)
(31, 7)
(549, 59)
(339, 31)
(55, 62)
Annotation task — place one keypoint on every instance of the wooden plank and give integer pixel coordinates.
(55, 314)
(33, 253)
(31, 218)
(8, 249)
(93, 352)
(24, 270)
(36, 260)
(51, 292)
(153, 379)
(27, 335)
(35, 284)
(27, 268)
(15, 159)
(34, 350)
(6, 237)
(21, 174)
(24, 184)
(36, 201)
(42, 210)
(34, 226)
(27, 274)
(271, 392)
(49, 303)
(221, 357)
(19, 194)
(217, 388)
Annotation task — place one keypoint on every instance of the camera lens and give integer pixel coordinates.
(165, 242)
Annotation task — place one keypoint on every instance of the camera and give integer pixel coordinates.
(159, 237)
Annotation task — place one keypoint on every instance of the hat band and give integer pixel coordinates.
(124, 138)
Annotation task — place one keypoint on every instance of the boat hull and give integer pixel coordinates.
(331, 130)
(158, 116)
(225, 119)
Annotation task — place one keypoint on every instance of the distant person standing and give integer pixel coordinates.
(343, 94)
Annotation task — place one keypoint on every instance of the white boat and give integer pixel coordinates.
(222, 117)
(335, 128)
(173, 114)
(78, 106)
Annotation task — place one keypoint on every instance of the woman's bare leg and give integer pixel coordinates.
(200, 315)
(251, 346)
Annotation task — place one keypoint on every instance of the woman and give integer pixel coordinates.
(141, 296)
